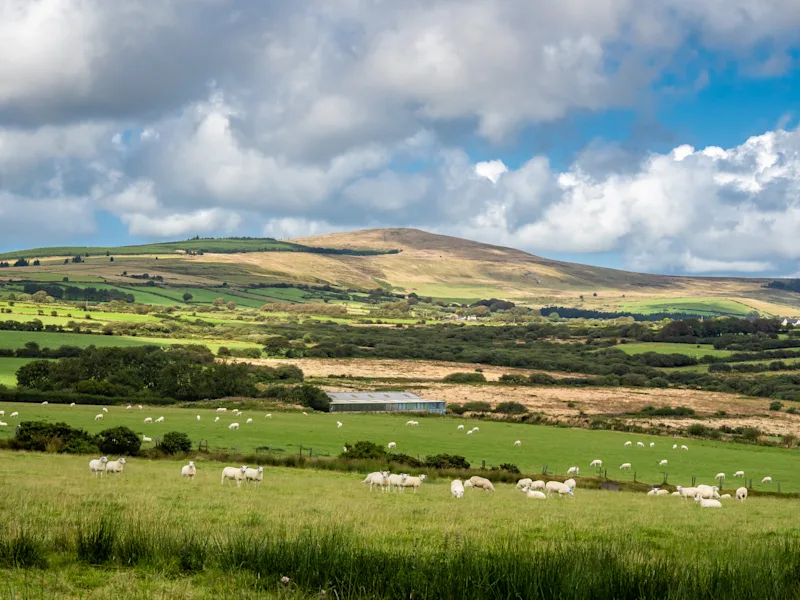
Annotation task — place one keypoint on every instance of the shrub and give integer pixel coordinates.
(751, 433)
(446, 461)
(541, 379)
(119, 440)
(363, 449)
(477, 407)
(668, 411)
(407, 460)
(175, 441)
(514, 378)
(509, 467)
(465, 378)
(510, 408)
(775, 406)
(791, 411)
(41, 436)
(456, 409)
(659, 382)
(697, 429)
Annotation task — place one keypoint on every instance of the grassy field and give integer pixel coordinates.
(695, 350)
(8, 370)
(696, 306)
(494, 443)
(147, 533)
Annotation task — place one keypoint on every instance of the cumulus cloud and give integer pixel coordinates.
(179, 224)
(491, 170)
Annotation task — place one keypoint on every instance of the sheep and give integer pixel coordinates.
(98, 466)
(45, 403)
(254, 475)
(115, 466)
(413, 482)
(469, 432)
(392, 445)
(517, 444)
(674, 446)
(105, 410)
(706, 491)
(189, 471)
(233, 426)
(460, 428)
(98, 417)
(396, 481)
(139, 406)
(14, 415)
(198, 417)
(2, 413)
(410, 422)
(379, 478)
(268, 416)
(222, 409)
(653, 492)
(640, 444)
(628, 444)
(72, 404)
(128, 407)
(148, 419)
(344, 448)
(705, 503)
(476, 429)
(570, 483)
(741, 494)
(556, 487)
(686, 492)
(765, 480)
(160, 420)
(663, 463)
(524, 483)
(467, 484)
(216, 419)
(739, 474)
(573, 471)
(725, 497)
(3, 424)
(662, 493)
(481, 483)
(538, 485)
(675, 494)
(146, 439)
(535, 495)
(684, 447)
(234, 474)
(456, 488)
(248, 421)
(652, 444)
(596, 463)
(305, 414)
(719, 476)
(338, 424)
(625, 466)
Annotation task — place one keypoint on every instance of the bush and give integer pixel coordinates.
(175, 441)
(456, 409)
(668, 411)
(119, 440)
(41, 436)
(510, 408)
(446, 461)
(508, 467)
(477, 407)
(541, 379)
(514, 379)
(775, 406)
(363, 449)
(791, 411)
(697, 429)
(465, 378)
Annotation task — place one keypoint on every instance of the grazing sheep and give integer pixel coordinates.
(725, 497)
(189, 471)
(456, 488)
(268, 416)
(571, 484)
(765, 480)
(741, 494)
(705, 503)
(2, 413)
(481, 483)
(148, 419)
(469, 432)
(139, 406)
(254, 475)
(573, 471)
(684, 447)
(233, 426)
(344, 448)
(476, 429)
(128, 407)
(535, 495)
(198, 417)
(98, 466)
(105, 410)
(222, 410)
(233, 474)
(160, 420)
(739, 474)
(216, 419)
(460, 427)
(556, 487)
(72, 404)
(413, 482)
(98, 417)
(14, 415)
(627, 444)
(146, 439)
(410, 422)
(640, 444)
(674, 446)
(686, 492)
(392, 445)
(396, 481)
(115, 466)
(719, 476)
(625, 466)
(248, 421)
(45, 403)
(338, 424)
(305, 414)
(538, 485)
(663, 463)
(652, 444)
(517, 444)
(596, 463)
(379, 478)
(524, 483)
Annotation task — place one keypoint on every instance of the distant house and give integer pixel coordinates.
(383, 402)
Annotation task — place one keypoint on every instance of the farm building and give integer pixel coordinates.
(383, 402)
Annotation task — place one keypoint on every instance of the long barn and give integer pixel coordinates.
(383, 402)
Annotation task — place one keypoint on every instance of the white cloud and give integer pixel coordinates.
(138, 197)
(491, 170)
(694, 264)
(180, 224)
(290, 227)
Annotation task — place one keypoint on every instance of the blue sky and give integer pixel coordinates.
(659, 137)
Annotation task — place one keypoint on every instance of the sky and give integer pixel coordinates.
(649, 136)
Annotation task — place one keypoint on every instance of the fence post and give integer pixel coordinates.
(779, 487)
(483, 463)
(666, 477)
(634, 476)
(267, 450)
(693, 480)
(301, 450)
(605, 475)
(751, 483)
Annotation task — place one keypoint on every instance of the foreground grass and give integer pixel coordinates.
(558, 448)
(148, 533)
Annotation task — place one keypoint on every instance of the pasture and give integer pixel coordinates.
(695, 350)
(558, 448)
(8, 370)
(148, 533)
(696, 306)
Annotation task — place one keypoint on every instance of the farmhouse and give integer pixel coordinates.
(383, 402)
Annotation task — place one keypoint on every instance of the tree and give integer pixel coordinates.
(119, 440)
(231, 306)
(187, 296)
(218, 302)
(111, 259)
(35, 374)
(40, 297)
(36, 263)
(175, 441)
(21, 263)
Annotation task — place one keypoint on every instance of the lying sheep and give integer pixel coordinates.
(146, 439)
(115, 466)
(3, 424)
(625, 466)
(379, 478)
(705, 503)
(741, 494)
(189, 471)
(556, 487)
(573, 471)
(233, 426)
(535, 495)
(456, 488)
(396, 481)
(98, 417)
(725, 497)
(233, 474)
(254, 475)
(413, 482)
(222, 410)
(481, 483)
(98, 466)
(524, 483)
(596, 463)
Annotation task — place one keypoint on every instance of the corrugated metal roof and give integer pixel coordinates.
(374, 397)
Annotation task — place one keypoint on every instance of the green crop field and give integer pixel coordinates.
(148, 533)
(695, 350)
(8, 370)
(697, 306)
(559, 449)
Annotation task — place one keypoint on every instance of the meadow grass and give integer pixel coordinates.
(558, 448)
(329, 534)
(695, 350)
(697, 306)
(8, 370)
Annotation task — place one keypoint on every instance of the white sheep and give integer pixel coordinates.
(14, 415)
(160, 420)
(675, 493)
(379, 478)
(640, 444)
(248, 421)
(115, 466)
(652, 444)
(3, 424)
(628, 444)
(653, 492)
(481, 483)
(98, 466)
(344, 449)
(476, 429)
(741, 494)
(268, 416)
(556, 487)
(456, 488)
(725, 497)
(392, 445)
(254, 475)
(413, 482)
(662, 493)
(625, 466)
(98, 417)
(459, 428)
(538, 485)
(338, 424)
(573, 471)
(189, 471)
(72, 404)
(305, 414)
(571, 484)
(216, 419)
(139, 406)
(233, 474)
(596, 463)
(765, 480)
(469, 432)
(146, 439)
(2, 413)
(45, 403)
(536, 495)
(686, 492)
(739, 474)
(148, 419)
(128, 407)
(706, 491)
(674, 446)
(524, 483)
(706, 503)
(396, 481)
(233, 426)
(198, 417)
(517, 444)
(410, 422)
(663, 463)
(683, 447)
(719, 476)
(105, 410)
(222, 409)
